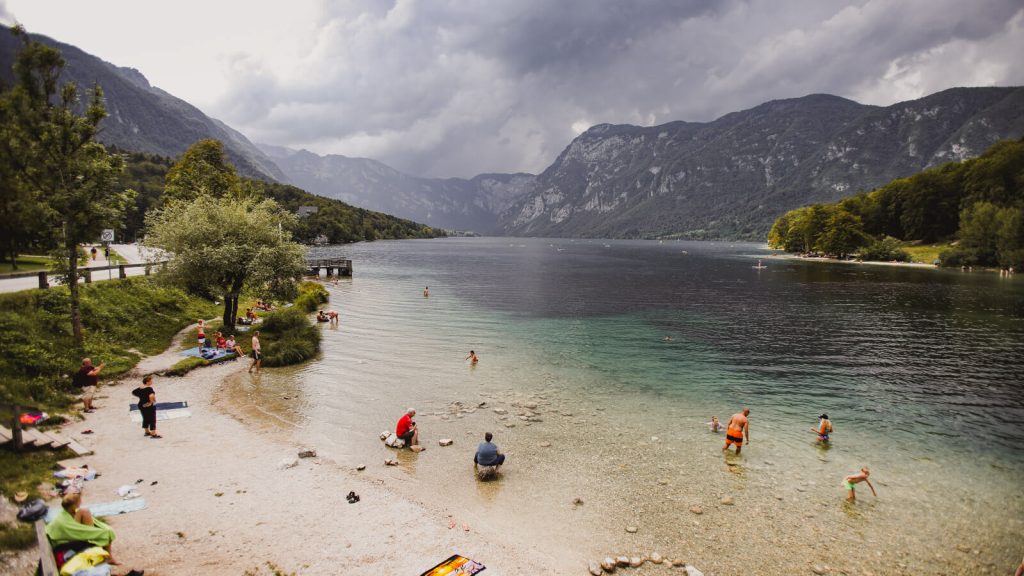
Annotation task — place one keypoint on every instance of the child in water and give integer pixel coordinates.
(715, 425)
(854, 479)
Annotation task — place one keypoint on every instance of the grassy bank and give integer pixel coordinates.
(926, 253)
(27, 264)
(122, 320)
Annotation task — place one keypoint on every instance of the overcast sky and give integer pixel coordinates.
(460, 87)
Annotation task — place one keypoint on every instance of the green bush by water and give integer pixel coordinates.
(311, 296)
(288, 337)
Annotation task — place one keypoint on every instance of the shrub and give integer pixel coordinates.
(289, 338)
(887, 249)
(311, 296)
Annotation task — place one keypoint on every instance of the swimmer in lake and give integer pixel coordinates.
(426, 291)
(715, 425)
(855, 479)
(472, 357)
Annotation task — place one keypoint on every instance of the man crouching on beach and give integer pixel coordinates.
(406, 430)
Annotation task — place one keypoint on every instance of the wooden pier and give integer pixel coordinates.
(339, 266)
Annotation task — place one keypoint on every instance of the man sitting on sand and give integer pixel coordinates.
(854, 479)
(407, 431)
(76, 524)
(735, 429)
(487, 453)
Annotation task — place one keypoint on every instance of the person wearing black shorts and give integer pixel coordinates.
(147, 406)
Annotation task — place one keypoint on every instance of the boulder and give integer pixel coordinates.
(394, 441)
(486, 473)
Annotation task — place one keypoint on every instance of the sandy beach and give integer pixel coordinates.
(219, 499)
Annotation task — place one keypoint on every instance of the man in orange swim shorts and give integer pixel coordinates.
(738, 426)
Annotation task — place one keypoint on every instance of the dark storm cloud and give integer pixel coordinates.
(461, 87)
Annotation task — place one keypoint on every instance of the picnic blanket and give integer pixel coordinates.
(164, 411)
(218, 353)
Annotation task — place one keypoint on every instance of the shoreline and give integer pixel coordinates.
(916, 265)
(227, 499)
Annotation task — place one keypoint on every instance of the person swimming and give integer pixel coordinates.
(472, 357)
(824, 428)
(715, 425)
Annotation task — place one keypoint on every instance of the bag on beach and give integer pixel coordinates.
(34, 510)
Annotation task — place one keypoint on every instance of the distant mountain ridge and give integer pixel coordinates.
(450, 203)
(142, 117)
(730, 178)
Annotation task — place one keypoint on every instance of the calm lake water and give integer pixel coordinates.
(919, 370)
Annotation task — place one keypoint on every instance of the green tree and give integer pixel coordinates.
(224, 245)
(58, 159)
(203, 170)
(1010, 237)
(843, 234)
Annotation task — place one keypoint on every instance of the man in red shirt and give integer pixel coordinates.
(406, 430)
(87, 378)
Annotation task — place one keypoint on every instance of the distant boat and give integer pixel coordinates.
(759, 266)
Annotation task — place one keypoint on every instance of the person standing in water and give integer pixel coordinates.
(738, 426)
(426, 291)
(824, 429)
(472, 357)
(257, 352)
(850, 481)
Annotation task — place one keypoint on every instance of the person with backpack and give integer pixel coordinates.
(87, 379)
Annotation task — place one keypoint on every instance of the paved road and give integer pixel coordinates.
(132, 253)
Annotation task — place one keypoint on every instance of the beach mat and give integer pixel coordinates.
(455, 565)
(161, 406)
(218, 355)
(105, 509)
(162, 415)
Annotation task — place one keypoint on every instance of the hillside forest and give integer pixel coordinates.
(977, 206)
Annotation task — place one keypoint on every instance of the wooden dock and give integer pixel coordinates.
(339, 266)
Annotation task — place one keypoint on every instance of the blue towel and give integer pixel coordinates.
(161, 406)
(218, 353)
(105, 509)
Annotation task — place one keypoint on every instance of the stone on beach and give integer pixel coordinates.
(577, 501)
(307, 453)
(445, 441)
(545, 444)
(530, 405)
(287, 463)
(691, 571)
(595, 569)
(390, 462)
(631, 529)
(636, 561)
(622, 561)
(819, 569)
(500, 411)
(361, 467)
(728, 501)
(608, 564)
(656, 558)
(696, 510)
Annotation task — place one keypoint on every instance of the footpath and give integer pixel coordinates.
(132, 254)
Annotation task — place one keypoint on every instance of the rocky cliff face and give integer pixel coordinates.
(450, 203)
(144, 118)
(732, 177)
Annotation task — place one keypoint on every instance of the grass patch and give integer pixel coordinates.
(27, 264)
(24, 472)
(926, 253)
(311, 296)
(289, 337)
(140, 314)
(191, 363)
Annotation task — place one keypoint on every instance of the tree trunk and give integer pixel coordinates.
(228, 317)
(76, 318)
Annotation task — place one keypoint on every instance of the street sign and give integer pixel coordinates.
(107, 236)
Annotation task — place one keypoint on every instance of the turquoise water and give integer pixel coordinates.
(920, 371)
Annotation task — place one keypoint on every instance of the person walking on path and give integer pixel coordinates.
(87, 378)
(850, 481)
(147, 406)
(824, 429)
(257, 352)
(487, 453)
(738, 426)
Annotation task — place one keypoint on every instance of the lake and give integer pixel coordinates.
(627, 348)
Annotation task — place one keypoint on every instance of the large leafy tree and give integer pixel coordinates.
(203, 170)
(223, 245)
(53, 150)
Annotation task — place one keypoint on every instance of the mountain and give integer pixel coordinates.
(730, 178)
(450, 203)
(142, 117)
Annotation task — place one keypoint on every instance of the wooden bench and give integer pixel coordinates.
(47, 564)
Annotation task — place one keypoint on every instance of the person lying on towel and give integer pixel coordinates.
(76, 524)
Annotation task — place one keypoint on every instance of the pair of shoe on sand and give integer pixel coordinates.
(352, 497)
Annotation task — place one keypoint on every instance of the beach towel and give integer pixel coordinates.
(211, 354)
(455, 565)
(116, 507)
(63, 529)
(164, 411)
(161, 406)
(86, 560)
